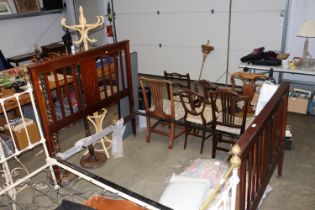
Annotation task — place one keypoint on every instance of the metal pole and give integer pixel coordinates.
(228, 45)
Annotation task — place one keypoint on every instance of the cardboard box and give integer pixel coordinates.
(19, 133)
(297, 105)
(298, 101)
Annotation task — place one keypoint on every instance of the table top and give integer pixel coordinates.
(20, 58)
(304, 71)
(12, 103)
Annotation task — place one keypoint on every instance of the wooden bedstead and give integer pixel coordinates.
(75, 89)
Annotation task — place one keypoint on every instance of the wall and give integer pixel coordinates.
(19, 35)
(300, 11)
(168, 34)
(91, 10)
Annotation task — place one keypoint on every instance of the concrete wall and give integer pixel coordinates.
(18, 35)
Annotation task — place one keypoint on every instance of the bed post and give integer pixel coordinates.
(130, 88)
(235, 161)
(283, 116)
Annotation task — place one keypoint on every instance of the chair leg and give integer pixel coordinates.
(148, 130)
(203, 136)
(171, 133)
(214, 145)
(186, 136)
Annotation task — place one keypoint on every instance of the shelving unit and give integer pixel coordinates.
(30, 14)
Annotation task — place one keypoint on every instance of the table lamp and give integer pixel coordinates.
(308, 31)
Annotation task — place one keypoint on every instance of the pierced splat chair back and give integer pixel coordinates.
(205, 87)
(230, 121)
(197, 112)
(158, 88)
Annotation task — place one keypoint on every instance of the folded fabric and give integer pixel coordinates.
(185, 194)
(259, 57)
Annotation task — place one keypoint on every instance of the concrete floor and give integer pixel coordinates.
(146, 167)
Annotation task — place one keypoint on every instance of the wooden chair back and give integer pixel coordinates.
(193, 103)
(158, 90)
(179, 82)
(233, 106)
(249, 84)
(197, 112)
(205, 87)
(162, 108)
(230, 121)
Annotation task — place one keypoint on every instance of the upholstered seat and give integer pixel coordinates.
(179, 110)
(207, 113)
(237, 121)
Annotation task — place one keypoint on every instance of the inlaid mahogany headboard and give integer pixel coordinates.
(69, 88)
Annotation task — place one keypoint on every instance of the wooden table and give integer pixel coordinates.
(299, 70)
(57, 47)
(21, 58)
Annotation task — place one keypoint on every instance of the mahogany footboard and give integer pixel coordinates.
(262, 150)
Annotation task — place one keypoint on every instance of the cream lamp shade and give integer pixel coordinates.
(307, 29)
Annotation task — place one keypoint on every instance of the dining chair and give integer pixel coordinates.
(205, 87)
(163, 108)
(230, 121)
(179, 82)
(248, 85)
(198, 116)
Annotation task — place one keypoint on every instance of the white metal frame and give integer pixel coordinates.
(11, 186)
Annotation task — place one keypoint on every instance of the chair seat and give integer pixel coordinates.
(179, 110)
(232, 130)
(207, 113)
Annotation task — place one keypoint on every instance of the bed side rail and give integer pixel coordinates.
(262, 150)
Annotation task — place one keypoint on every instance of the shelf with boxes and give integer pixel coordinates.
(19, 133)
(301, 97)
(298, 101)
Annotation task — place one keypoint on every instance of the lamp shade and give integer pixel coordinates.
(307, 29)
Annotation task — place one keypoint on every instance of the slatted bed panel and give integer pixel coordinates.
(262, 150)
(69, 88)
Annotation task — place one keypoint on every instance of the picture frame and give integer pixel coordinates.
(4, 8)
(24, 6)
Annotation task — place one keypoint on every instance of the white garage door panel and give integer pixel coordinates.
(183, 25)
(192, 30)
(137, 29)
(214, 67)
(173, 29)
(258, 5)
(145, 6)
(156, 60)
(261, 29)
